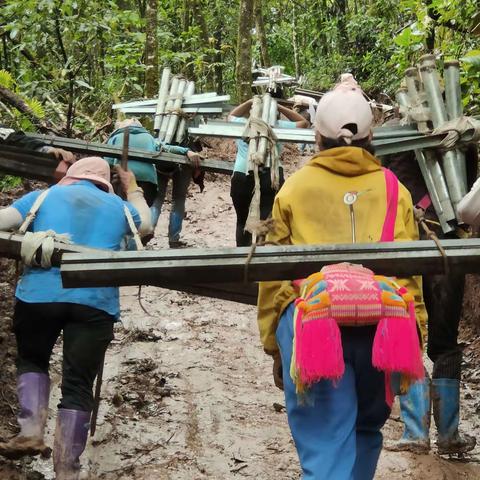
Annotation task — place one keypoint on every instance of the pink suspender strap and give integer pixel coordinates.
(391, 182)
(425, 202)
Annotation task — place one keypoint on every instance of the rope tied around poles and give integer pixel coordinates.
(456, 129)
(256, 128)
(263, 228)
(34, 241)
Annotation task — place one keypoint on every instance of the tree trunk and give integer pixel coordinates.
(295, 41)
(243, 69)
(262, 37)
(151, 49)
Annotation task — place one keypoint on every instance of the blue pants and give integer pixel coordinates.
(337, 432)
(180, 182)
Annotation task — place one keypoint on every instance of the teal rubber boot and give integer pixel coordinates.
(446, 413)
(415, 410)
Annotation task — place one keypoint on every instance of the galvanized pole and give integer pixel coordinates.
(456, 187)
(177, 105)
(168, 108)
(162, 98)
(453, 101)
(181, 131)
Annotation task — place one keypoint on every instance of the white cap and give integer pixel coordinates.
(342, 106)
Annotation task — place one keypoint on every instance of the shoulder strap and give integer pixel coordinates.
(133, 228)
(32, 213)
(391, 183)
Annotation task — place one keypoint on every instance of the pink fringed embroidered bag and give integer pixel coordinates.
(351, 295)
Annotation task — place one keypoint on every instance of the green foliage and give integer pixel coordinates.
(8, 181)
(90, 54)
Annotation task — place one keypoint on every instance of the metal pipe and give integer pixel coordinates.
(174, 118)
(162, 98)
(181, 130)
(166, 118)
(454, 105)
(262, 143)
(255, 112)
(456, 187)
(272, 121)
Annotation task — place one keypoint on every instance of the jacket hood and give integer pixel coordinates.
(346, 161)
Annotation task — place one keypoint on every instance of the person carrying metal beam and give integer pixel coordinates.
(443, 296)
(82, 209)
(341, 195)
(154, 181)
(243, 182)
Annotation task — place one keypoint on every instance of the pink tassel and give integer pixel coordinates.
(396, 347)
(389, 395)
(318, 350)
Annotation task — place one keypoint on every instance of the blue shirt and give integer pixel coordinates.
(92, 218)
(241, 161)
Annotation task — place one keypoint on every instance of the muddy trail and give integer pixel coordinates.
(187, 391)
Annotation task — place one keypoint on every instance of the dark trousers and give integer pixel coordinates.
(241, 191)
(443, 297)
(87, 332)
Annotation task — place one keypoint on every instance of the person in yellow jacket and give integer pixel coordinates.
(337, 433)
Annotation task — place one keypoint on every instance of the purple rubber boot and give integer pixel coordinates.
(33, 391)
(70, 439)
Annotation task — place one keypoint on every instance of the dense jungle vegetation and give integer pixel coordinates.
(67, 61)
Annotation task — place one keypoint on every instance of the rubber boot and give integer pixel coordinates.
(70, 439)
(33, 391)
(446, 412)
(415, 409)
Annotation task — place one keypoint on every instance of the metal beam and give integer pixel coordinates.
(27, 164)
(191, 266)
(160, 159)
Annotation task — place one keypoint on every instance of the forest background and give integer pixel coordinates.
(64, 62)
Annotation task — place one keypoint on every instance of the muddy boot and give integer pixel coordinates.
(446, 410)
(70, 439)
(33, 390)
(415, 409)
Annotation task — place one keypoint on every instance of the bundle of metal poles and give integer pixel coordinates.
(229, 265)
(386, 140)
(175, 103)
(421, 101)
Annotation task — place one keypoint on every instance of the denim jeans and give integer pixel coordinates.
(180, 182)
(337, 431)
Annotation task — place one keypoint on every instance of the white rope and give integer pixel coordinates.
(46, 241)
(133, 229)
(32, 213)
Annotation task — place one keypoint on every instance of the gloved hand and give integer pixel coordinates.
(277, 370)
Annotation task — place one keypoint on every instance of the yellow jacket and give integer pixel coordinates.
(309, 209)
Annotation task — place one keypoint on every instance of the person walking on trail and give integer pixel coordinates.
(341, 195)
(181, 177)
(154, 181)
(243, 181)
(83, 207)
(443, 299)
